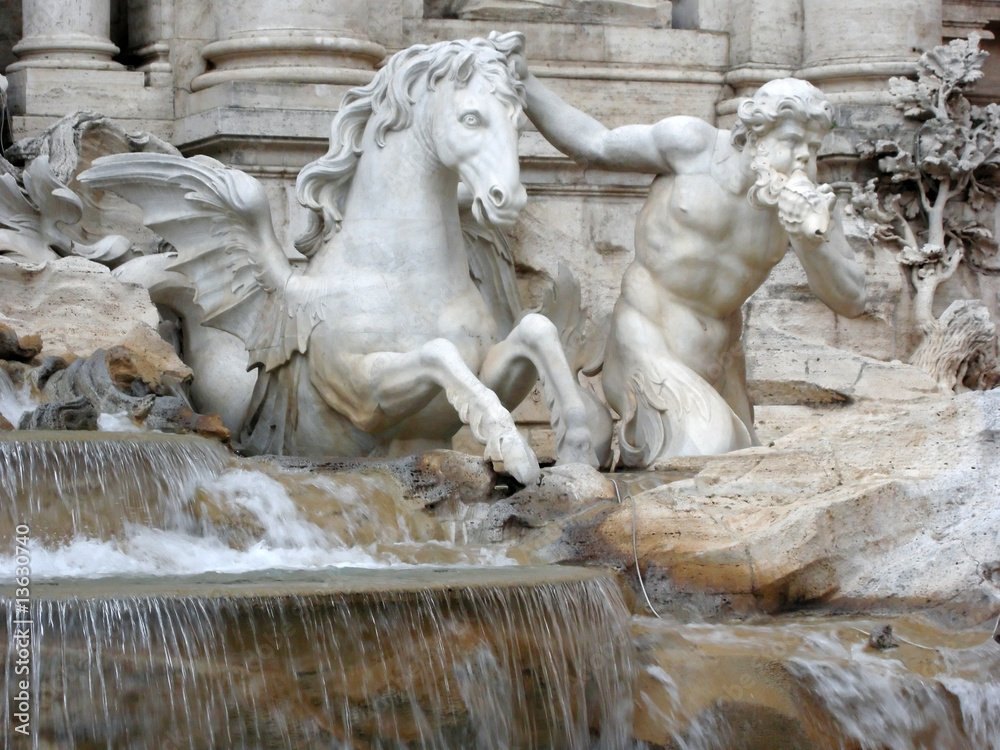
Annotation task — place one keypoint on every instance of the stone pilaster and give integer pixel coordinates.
(765, 42)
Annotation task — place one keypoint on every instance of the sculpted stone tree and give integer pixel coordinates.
(722, 211)
(927, 203)
(382, 344)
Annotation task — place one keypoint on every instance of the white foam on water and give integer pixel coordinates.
(873, 699)
(14, 401)
(879, 703)
(267, 501)
(155, 552)
(118, 422)
(980, 707)
(279, 537)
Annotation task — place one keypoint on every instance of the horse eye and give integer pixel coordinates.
(471, 120)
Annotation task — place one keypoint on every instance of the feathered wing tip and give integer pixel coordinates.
(272, 415)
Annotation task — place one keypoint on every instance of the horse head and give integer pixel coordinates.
(464, 95)
(474, 120)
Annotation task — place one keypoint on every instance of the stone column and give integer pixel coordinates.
(66, 34)
(150, 31)
(303, 41)
(765, 42)
(852, 47)
(66, 63)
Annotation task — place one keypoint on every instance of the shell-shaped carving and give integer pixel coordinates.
(805, 208)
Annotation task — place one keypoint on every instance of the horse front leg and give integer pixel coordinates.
(533, 350)
(402, 383)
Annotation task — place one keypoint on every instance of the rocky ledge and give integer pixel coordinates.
(870, 507)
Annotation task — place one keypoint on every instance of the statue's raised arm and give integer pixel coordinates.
(653, 149)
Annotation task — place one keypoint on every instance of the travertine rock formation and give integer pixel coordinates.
(77, 306)
(867, 507)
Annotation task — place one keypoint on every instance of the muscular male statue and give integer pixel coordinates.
(721, 213)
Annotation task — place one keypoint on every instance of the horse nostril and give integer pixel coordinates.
(498, 196)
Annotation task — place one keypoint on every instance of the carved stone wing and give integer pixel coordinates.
(15, 210)
(219, 221)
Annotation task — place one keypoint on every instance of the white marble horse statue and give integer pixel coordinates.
(382, 344)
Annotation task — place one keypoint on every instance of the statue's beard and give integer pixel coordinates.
(768, 182)
(804, 208)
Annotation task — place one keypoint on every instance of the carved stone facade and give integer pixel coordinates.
(256, 89)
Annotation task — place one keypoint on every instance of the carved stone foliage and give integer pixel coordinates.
(932, 204)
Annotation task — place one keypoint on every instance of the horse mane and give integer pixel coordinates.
(387, 104)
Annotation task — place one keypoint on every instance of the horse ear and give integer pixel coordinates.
(465, 67)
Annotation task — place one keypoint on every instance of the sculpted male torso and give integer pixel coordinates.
(674, 366)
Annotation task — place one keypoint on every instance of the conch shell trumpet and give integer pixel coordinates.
(804, 208)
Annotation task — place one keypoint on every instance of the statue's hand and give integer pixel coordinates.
(804, 209)
(512, 45)
(519, 62)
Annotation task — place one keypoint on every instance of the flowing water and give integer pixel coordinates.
(103, 504)
(139, 641)
(79, 483)
(14, 401)
(814, 682)
(359, 659)
(184, 598)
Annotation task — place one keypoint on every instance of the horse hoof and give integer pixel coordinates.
(517, 457)
(576, 448)
(525, 471)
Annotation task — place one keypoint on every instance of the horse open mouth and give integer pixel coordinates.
(488, 215)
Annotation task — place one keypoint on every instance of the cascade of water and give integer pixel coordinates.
(69, 484)
(13, 401)
(878, 703)
(103, 505)
(414, 661)
(817, 683)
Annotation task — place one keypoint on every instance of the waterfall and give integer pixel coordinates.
(72, 483)
(14, 401)
(101, 504)
(354, 659)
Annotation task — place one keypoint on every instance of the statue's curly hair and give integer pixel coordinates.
(387, 105)
(777, 100)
